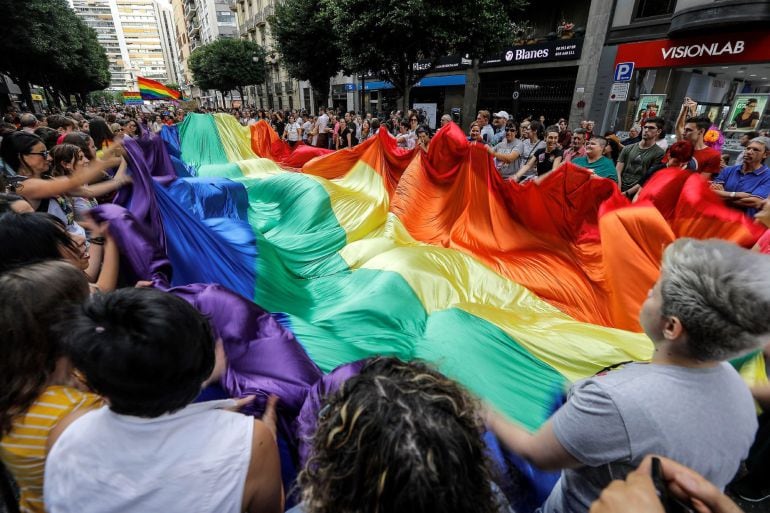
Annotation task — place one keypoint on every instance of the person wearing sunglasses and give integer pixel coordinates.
(508, 152)
(27, 156)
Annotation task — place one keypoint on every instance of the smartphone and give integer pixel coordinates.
(670, 503)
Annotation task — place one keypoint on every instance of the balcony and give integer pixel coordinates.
(192, 9)
(194, 29)
(288, 86)
(278, 88)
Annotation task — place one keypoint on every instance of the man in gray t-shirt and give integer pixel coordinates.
(709, 305)
(507, 153)
(702, 418)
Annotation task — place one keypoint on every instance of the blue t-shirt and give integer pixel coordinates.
(756, 183)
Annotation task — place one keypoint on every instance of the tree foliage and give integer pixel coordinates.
(45, 43)
(302, 30)
(388, 37)
(228, 64)
(105, 97)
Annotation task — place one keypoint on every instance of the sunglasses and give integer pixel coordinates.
(43, 154)
(510, 129)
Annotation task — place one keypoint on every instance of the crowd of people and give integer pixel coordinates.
(99, 408)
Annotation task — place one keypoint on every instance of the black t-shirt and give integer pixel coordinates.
(544, 160)
(344, 137)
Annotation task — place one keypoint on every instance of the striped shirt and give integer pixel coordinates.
(23, 449)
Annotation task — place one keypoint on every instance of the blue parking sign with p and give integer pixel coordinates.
(623, 71)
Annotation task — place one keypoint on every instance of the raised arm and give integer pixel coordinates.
(525, 168)
(37, 188)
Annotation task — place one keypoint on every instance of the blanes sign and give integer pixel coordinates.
(702, 51)
(558, 50)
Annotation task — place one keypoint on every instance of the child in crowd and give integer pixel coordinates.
(148, 353)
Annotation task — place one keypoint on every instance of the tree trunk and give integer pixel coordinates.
(407, 90)
(321, 94)
(26, 92)
(50, 98)
(243, 98)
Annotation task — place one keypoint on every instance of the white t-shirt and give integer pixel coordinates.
(292, 131)
(195, 459)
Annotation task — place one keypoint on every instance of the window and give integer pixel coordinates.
(654, 8)
(225, 17)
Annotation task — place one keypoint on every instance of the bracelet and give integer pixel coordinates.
(732, 194)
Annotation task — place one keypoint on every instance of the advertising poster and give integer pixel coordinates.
(746, 112)
(430, 112)
(650, 106)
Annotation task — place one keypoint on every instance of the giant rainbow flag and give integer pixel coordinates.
(514, 290)
(153, 90)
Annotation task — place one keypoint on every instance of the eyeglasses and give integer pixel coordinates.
(510, 129)
(413, 119)
(43, 154)
(655, 128)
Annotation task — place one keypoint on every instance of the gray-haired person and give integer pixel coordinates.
(710, 304)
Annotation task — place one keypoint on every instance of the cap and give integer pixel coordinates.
(502, 114)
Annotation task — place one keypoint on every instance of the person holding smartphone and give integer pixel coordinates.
(688, 403)
(640, 493)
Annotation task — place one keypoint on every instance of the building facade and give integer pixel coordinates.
(548, 69)
(104, 18)
(658, 53)
(199, 22)
(279, 90)
(137, 36)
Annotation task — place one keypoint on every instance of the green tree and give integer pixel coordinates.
(44, 42)
(389, 36)
(302, 30)
(228, 64)
(105, 97)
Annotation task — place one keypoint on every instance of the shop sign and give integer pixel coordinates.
(448, 63)
(709, 50)
(37, 97)
(558, 50)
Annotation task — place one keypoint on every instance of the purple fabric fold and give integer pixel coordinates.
(139, 197)
(263, 357)
(307, 420)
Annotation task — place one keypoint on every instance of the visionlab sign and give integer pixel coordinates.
(702, 51)
(558, 50)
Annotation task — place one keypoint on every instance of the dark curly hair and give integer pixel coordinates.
(32, 299)
(398, 438)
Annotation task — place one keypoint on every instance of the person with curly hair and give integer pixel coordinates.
(688, 404)
(398, 438)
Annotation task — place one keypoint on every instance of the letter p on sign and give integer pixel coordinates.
(623, 71)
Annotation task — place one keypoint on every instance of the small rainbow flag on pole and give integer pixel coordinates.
(132, 98)
(152, 90)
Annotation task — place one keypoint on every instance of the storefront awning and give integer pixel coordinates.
(437, 81)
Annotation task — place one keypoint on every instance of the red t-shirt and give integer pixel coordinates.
(708, 160)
